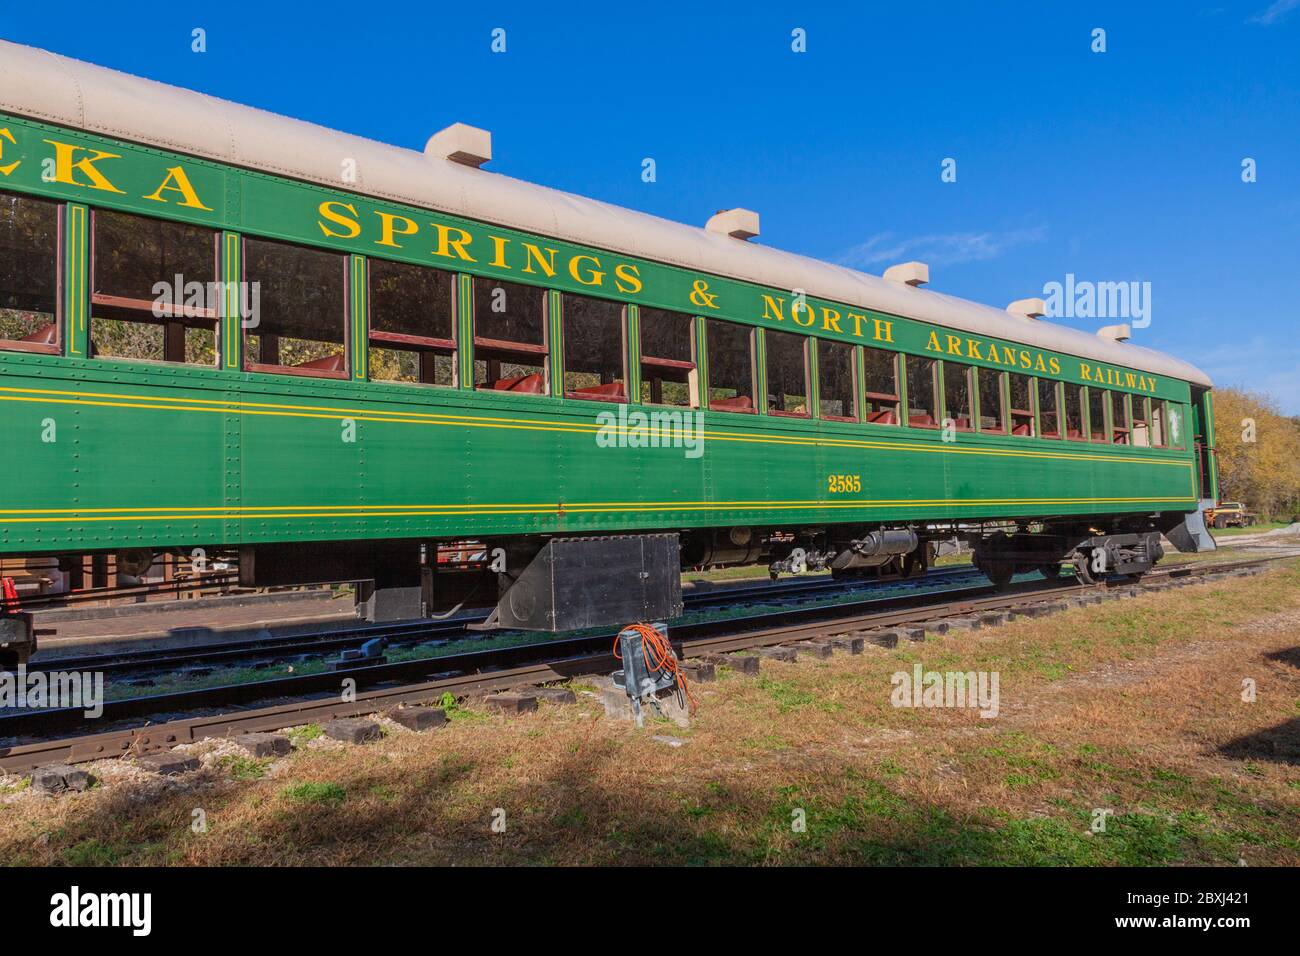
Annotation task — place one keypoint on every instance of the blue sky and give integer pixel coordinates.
(1115, 166)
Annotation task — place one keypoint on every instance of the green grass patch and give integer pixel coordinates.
(315, 793)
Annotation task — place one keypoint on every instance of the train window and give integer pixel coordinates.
(1021, 389)
(301, 324)
(1073, 412)
(412, 323)
(1141, 422)
(836, 383)
(1049, 412)
(787, 373)
(730, 348)
(29, 280)
(594, 345)
(668, 372)
(922, 399)
(1096, 414)
(881, 386)
(510, 343)
(131, 259)
(1157, 423)
(993, 416)
(1119, 418)
(957, 394)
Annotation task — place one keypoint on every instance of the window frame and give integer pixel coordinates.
(1003, 388)
(804, 341)
(752, 331)
(1090, 432)
(691, 368)
(936, 397)
(855, 386)
(141, 305)
(503, 345)
(422, 344)
(972, 386)
(60, 236)
(1030, 413)
(885, 398)
(623, 308)
(348, 344)
(1118, 431)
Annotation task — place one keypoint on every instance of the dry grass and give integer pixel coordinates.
(1134, 707)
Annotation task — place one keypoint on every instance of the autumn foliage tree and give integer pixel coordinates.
(1258, 453)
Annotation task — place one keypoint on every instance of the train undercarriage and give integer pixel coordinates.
(562, 583)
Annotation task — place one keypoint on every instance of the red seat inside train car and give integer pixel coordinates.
(885, 417)
(611, 392)
(46, 335)
(922, 420)
(741, 403)
(330, 363)
(1021, 430)
(528, 384)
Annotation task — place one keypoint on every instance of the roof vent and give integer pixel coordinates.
(1029, 308)
(467, 145)
(911, 273)
(1119, 333)
(736, 223)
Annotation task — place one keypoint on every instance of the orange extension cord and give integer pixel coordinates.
(658, 654)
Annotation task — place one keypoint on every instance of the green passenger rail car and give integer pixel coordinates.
(225, 329)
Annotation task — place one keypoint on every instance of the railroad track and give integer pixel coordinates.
(476, 672)
(406, 633)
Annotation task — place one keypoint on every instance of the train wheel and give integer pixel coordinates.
(999, 573)
(1081, 569)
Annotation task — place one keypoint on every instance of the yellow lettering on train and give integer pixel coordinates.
(447, 245)
(6, 170)
(1040, 366)
(954, 345)
(831, 320)
(534, 254)
(771, 305)
(594, 276)
(973, 349)
(799, 307)
(1025, 360)
(1055, 366)
(327, 210)
(933, 344)
(499, 252)
(177, 181)
(629, 274)
(388, 230)
(66, 163)
(884, 330)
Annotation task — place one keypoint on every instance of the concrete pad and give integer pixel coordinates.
(881, 638)
(418, 718)
(915, 634)
(701, 672)
(265, 745)
(845, 643)
(513, 702)
(992, 618)
(352, 730)
(786, 654)
(168, 763)
(50, 779)
(747, 664)
(815, 650)
(556, 695)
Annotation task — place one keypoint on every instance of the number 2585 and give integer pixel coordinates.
(843, 484)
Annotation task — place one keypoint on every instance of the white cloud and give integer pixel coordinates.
(938, 249)
(1278, 10)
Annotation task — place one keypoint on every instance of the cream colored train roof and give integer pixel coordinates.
(43, 85)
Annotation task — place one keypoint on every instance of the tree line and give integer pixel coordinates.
(1258, 453)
